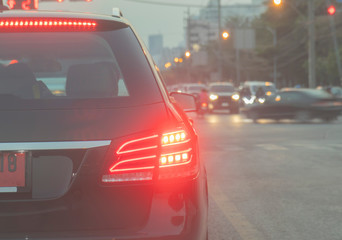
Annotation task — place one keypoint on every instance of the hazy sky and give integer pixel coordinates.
(146, 18)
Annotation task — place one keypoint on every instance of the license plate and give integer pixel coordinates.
(224, 104)
(12, 170)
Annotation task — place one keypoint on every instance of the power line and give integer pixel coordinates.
(168, 4)
(194, 5)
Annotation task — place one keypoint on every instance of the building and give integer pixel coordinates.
(244, 11)
(155, 44)
(203, 28)
(201, 32)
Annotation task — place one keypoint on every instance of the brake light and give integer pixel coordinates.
(174, 138)
(171, 154)
(47, 24)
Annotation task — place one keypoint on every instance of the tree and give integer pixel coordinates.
(290, 22)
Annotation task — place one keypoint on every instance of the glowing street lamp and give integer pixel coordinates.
(225, 35)
(277, 2)
(167, 65)
(187, 54)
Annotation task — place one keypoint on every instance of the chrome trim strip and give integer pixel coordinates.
(8, 189)
(23, 146)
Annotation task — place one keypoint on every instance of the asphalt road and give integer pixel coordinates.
(272, 180)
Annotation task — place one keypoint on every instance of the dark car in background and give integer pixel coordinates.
(91, 145)
(254, 92)
(299, 104)
(223, 96)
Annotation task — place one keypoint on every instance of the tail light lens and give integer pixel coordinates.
(47, 24)
(168, 155)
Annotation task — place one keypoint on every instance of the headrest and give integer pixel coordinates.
(17, 79)
(98, 80)
(20, 73)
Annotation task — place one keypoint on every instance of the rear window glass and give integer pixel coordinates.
(61, 66)
(317, 93)
(195, 88)
(222, 88)
(264, 88)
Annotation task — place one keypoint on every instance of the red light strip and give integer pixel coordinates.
(119, 151)
(112, 169)
(25, 23)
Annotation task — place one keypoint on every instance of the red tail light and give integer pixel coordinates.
(168, 155)
(46, 24)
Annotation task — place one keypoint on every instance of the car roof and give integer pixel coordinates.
(221, 83)
(258, 83)
(59, 14)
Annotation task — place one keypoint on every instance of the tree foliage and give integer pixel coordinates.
(291, 24)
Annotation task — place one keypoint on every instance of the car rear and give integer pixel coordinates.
(91, 146)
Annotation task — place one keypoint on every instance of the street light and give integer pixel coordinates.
(225, 35)
(277, 2)
(187, 54)
(167, 65)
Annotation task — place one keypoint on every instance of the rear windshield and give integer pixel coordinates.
(317, 93)
(68, 67)
(222, 88)
(265, 88)
(195, 88)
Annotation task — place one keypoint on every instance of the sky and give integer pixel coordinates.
(147, 19)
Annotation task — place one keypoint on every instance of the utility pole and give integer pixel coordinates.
(220, 56)
(312, 42)
(335, 42)
(275, 58)
(188, 63)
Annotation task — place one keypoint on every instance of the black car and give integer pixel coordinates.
(299, 104)
(91, 145)
(222, 95)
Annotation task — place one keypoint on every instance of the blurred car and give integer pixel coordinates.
(194, 88)
(91, 145)
(223, 96)
(336, 91)
(253, 92)
(299, 104)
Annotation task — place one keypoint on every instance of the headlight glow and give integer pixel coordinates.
(213, 97)
(261, 100)
(236, 97)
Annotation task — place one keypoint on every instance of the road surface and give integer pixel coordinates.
(272, 180)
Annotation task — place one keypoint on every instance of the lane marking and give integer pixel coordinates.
(271, 147)
(244, 228)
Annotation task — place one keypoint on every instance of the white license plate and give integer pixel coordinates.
(224, 104)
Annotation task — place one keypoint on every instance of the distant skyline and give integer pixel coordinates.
(147, 19)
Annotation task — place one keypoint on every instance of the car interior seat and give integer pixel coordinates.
(17, 79)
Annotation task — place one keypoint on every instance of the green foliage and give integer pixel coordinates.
(290, 22)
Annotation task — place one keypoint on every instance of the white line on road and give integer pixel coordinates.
(245, 229)
(271, 147)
